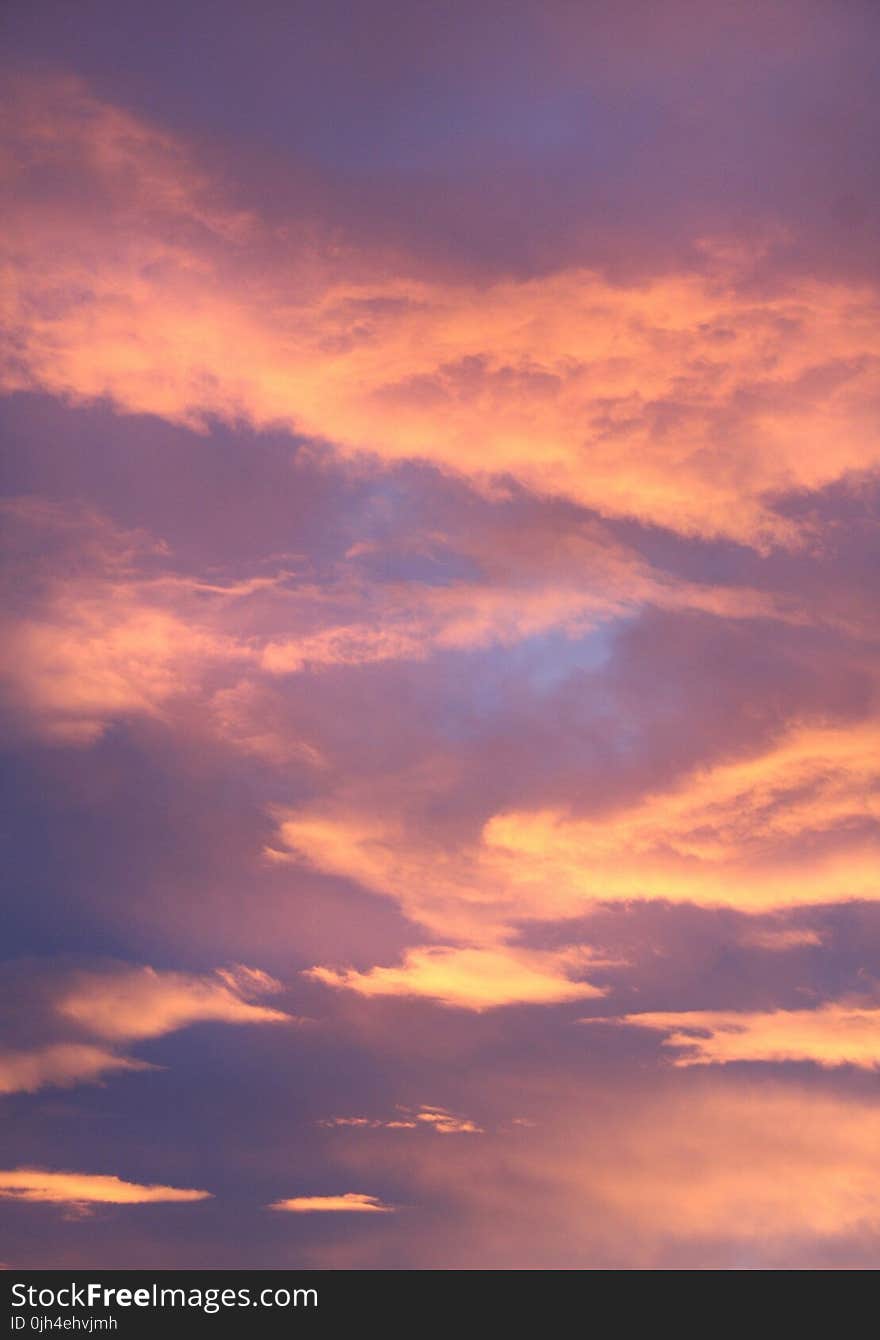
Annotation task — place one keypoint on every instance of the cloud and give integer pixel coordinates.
(120, 1004)
(353, 1202)
(786, 821)
(71, 1188)
(449, 892)
(437, 1119)
(101, 625)
(749, 1165)
(791, 825)
(680, 401)
(65, 1063)
(778, 940)
(791, 821)
(521, 611)
(134, 1003)
(92, 632)
(472, 978)
(705, 1172)
(447, 1123)
(100, 664)
(832, 1035)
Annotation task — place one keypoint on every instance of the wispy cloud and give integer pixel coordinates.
(60, 1065)
(352, 1202)
(834, 1034)
(143, 1003)
(473, 978)
(112, 630)
(778, 939)
(73, 1188)
(438, 1119)
(107, 1007)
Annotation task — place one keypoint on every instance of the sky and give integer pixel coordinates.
(439, 665)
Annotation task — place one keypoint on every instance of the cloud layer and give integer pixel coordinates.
(438, 562)
(681, 401)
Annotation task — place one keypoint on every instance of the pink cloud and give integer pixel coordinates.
(721, 1174)
(352, 1202)
(680, 401)
(60, 1065)
(122, 1004)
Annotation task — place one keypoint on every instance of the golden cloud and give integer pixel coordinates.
(790, 824)
(682, 401)
(473, 978)
(142, 1003)
(447, 1123)
(832, 1035)
(353, 1202)
(71, 1188)
(793, 825)
(438, 1119)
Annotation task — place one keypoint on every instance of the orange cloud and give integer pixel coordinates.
(447, 1123)
(433, 1118)
(682, 402)
(353, 1202)
(794, 825)
(122, 1004)
(143, 1003)
(702, 1171)
(790, 824)
(833, 1035)
(472, 978)
(410, 621)
(748, 1165)
(97, 639)
(452, 893)
(71, 677)
(70, 1188)
(107, 637)
(60, 1065)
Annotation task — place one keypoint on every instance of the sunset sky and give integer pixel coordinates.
(439, 672)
